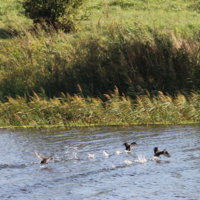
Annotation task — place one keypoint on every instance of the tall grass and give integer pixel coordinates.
(68, 111)
(133, 60)
(136, 46)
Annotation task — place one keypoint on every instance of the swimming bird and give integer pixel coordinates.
(129, 146)
(44, 160)
(158, 152)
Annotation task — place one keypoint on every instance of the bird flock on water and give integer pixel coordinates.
(128, 148)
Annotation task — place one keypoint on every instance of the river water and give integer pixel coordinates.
(75, 174)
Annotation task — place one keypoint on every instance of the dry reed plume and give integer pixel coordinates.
(76, 110)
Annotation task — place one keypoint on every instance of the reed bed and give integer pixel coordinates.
(76, 111)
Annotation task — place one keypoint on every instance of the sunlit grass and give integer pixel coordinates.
(137, 46)
(134, 60)
(77, 111)
(181, 16)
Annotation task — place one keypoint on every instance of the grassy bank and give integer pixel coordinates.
(134, 61)
(121, 44)
(68, 111)
(136, 46)
(179, 15)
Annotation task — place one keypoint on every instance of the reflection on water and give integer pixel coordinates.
(93, 163)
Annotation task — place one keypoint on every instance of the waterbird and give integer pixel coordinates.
(129, 146)
(158, 152)
(44, 160)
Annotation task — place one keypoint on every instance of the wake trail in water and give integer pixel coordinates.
(126, 151)
(128, 162)
(118, 152)
(4, 166)
(153, 159)
(71, 152)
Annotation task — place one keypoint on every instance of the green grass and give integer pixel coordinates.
(11, 16)
(133, 60)
(176, 15)
(181, 16)
(135, 45)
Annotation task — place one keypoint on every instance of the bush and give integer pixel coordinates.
(61, 14)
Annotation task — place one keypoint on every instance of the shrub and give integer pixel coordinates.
(61, 14)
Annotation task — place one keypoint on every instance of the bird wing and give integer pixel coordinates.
(156, 149)
(50, 156)
(134, 143)
(131, 146)
(39, 156)
(158, 153)
(126, 144)
(167, 154)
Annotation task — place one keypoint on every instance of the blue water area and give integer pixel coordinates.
(81, 170)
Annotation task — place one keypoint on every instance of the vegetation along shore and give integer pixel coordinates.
(110, 62)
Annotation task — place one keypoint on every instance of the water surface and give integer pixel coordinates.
(72, 174)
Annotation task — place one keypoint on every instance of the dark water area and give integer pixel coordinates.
(75, 174)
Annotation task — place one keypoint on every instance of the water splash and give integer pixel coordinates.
(75, 155)
(153, 159)
(57, 158)
(31, 163)
(71, 152)
(128, 162)
(118, 152)
(91, 155)
(105, 154)
(141, 159)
